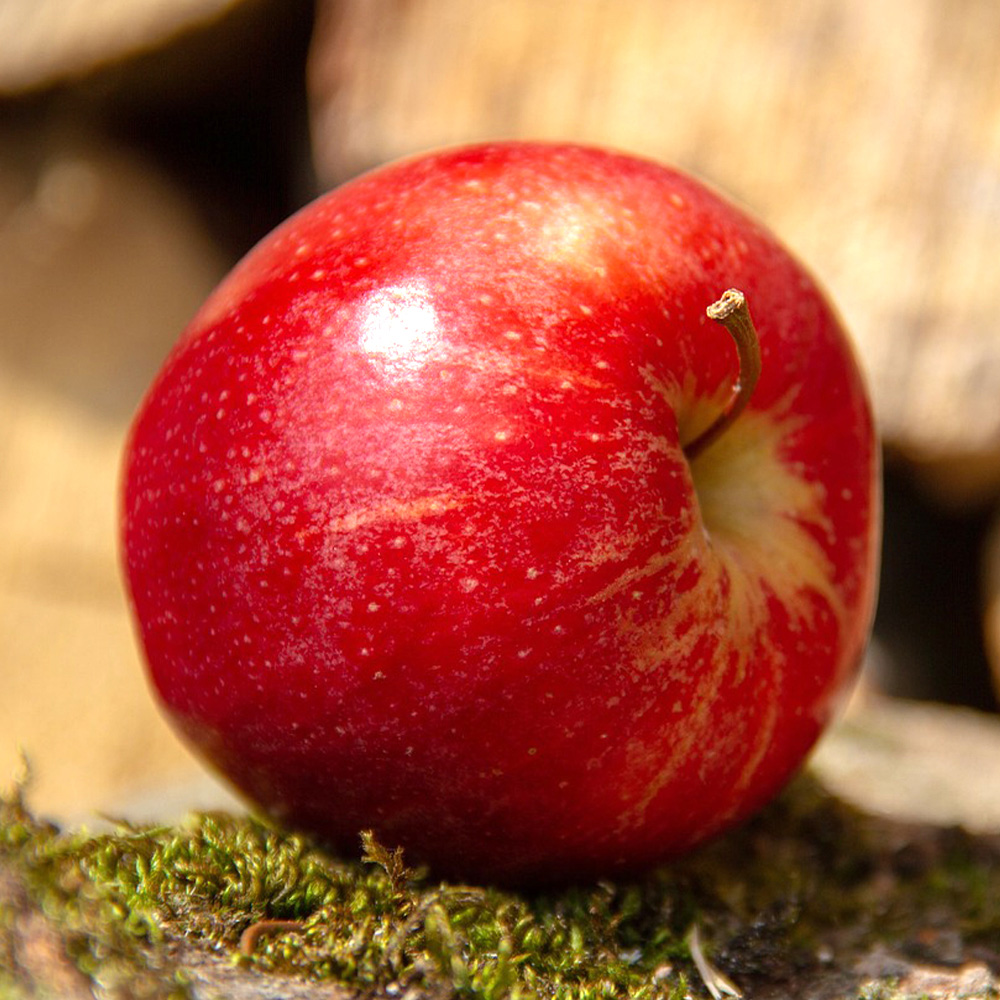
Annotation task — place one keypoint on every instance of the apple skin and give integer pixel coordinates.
(413, 544)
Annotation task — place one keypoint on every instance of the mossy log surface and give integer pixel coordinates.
(814, 898)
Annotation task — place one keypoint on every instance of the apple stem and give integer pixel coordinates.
(732, 312)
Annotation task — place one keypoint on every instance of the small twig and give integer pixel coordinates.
(715, 982)
(265, 928)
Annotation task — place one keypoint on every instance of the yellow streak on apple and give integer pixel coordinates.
(750, 535)
(396, 511)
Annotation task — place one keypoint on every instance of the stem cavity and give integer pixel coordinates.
(732, 312)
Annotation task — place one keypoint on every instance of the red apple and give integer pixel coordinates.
(421, 537)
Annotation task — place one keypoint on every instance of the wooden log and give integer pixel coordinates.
(103, 261)
(916, 761)
(45, 41)
(865, 134)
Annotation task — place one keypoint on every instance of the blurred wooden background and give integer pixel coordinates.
(145, 144)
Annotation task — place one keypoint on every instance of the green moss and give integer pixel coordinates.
(808, 875)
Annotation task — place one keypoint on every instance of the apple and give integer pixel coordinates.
(454, 516)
